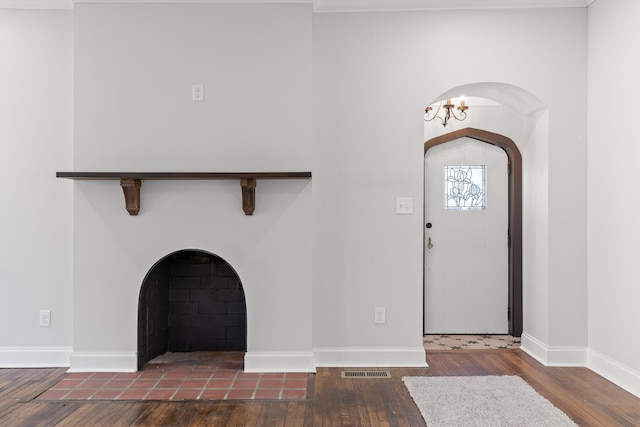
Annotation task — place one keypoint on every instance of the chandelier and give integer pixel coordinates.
(448, 112)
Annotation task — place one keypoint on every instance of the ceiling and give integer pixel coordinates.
(330, 5)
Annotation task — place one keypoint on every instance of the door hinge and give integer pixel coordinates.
(509, 313)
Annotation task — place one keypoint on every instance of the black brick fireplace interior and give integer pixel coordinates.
(191, 301)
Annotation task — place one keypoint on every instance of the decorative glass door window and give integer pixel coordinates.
(464, 187)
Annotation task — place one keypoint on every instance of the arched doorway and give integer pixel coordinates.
(190, 301)
(514, 215)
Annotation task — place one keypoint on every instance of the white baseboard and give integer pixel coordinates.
(104, 362)
(553, 356)
(408, 357)
(35, 357)
(278, 362)
(617, 373)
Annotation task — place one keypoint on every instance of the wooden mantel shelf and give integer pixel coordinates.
(132, 181)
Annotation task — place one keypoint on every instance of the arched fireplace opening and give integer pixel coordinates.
(191, 301)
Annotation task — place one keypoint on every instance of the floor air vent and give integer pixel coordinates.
(366, 374)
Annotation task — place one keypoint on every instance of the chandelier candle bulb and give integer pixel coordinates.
(448, 112)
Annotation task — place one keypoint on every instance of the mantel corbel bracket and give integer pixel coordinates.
(131, 189)
(248, 195)
(132, 181)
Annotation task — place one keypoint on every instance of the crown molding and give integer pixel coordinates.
(193, 1)
(330, 5)
(68, 4)
(416, 5)
(37, 4)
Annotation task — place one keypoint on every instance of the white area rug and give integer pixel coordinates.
(482, 401)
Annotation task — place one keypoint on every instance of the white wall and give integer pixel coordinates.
(135, 64)
(314, 263)
(36, 208)
(613, 231)
(373, 75)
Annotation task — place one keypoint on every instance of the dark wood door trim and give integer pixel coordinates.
(515, 212)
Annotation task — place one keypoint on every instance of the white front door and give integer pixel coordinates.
(466, 254)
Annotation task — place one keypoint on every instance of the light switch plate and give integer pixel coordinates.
(404, 205)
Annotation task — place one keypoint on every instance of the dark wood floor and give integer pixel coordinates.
(587, 398)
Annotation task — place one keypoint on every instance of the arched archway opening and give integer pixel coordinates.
(191, 300)
(514, 216)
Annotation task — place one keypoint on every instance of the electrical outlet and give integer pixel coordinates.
(45, 318)
(380, 316)
(197, 92)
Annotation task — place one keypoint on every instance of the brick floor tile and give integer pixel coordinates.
(152, 374)
(272, 376)
(143, 384)
(215, 379)
(103, 375)
(219, 383)
(252, 383)
(178, 374)
(196, 374)
(266, 383)
(91, 383)
(133, 394)
(106, 394)
(248, 375)
(52, 394)
(225, 374)
(267, 393)
(165, 383)
(191, 383)
(127, 375)
(159, 394)
(68, 384)
(295, 383)
(80, 394)
(296, 375)
(116, 383)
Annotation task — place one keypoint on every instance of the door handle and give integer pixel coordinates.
(429, 244)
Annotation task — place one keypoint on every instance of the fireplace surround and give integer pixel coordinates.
(191, 300)
(114, 253)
